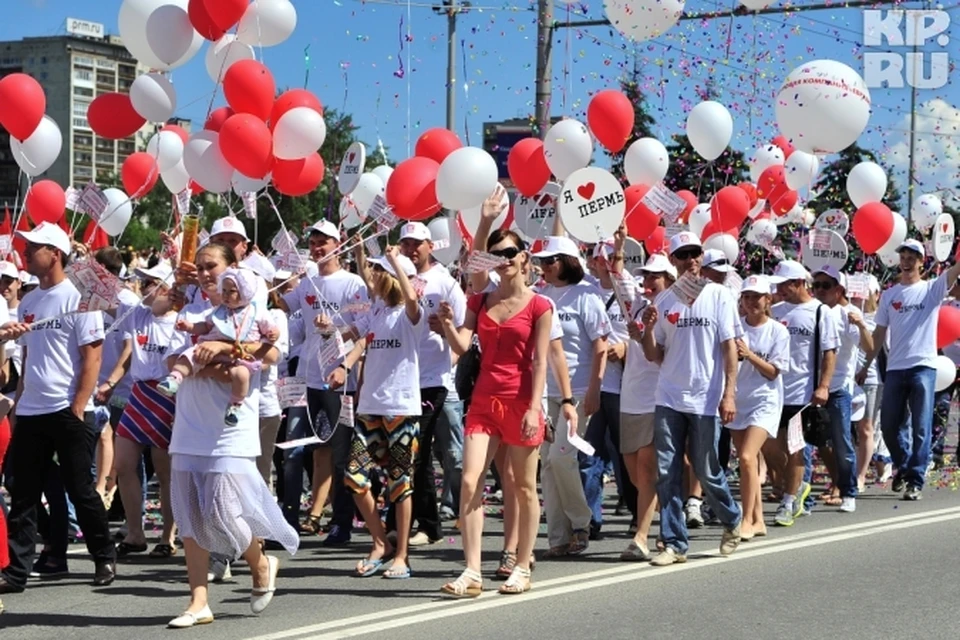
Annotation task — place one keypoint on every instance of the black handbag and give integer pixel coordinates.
(816, 420)
(468, 367)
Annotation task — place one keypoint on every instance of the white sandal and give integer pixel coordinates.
(517, 583)
(468, 585)
(260, 598)
(189, 619)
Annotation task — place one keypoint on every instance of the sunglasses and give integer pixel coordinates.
(688, 254)
(826, 286)
(547, 261)
(509, 253)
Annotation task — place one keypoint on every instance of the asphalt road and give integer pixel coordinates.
(886, 571)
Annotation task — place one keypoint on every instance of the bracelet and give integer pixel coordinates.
(569, 401)
(110, 384)
(343, 365)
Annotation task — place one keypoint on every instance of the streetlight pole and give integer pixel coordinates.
(545, 27)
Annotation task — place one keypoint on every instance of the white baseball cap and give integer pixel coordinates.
(788, 270)
(9, 269)
(404, 261)
(684, 239)
(161, 271)
(27, 280)
(558, 246)
(658, 263)
(260, 266)
(229, 224)
(310, 269)
(49, 234)
(415, 231)
(830, 270)
(717, 260)
(913, 245)
(756, 284)
(325, 227)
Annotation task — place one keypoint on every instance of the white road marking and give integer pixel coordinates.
(434, 610)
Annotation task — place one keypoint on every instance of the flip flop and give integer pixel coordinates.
(125, 548)
(397, 574)
(163, 550)
(371, 566)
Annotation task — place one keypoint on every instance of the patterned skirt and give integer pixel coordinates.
(148, 417)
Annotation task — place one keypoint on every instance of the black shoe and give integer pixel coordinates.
(912, 493)
(338, 537)
(47, 567)
(899, 483)
(105, 574)
(594, 531)
(9, 587)
(621, 507)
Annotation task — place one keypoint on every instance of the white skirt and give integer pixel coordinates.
(766, 416)
(223, 504)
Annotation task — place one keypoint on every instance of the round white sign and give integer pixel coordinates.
(833, 220)
(943, 237)
(592, 204)
(534, 216)
(351, 168)
(824, 248)
(633, 255)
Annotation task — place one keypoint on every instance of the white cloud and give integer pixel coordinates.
(937, 150)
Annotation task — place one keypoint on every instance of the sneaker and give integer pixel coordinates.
(899, 483)
(848, 505)
(802, 496)
(232, 417)
(168, 386)
(47, 567)
(886, 472)
(447, 514)
(338, 537)
(694, 513)
(730, 540)
(668, 557)
(219, 571)
(784, 516)
(420, 539)
(913, 493)
(709, 517)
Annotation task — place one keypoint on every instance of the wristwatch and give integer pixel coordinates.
(569, 401)
(343, 365)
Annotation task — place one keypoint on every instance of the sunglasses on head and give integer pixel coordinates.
(826, 286)
(547, 260)
(508, 253)
(688, 254)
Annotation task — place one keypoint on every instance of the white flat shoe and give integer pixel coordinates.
(189, 619)
(260, 598)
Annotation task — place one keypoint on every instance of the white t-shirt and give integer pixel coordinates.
(873, 373)
(14, 348)
(613, 374)
(911, 314)
(435, 367)
(799, 319)
(638, 391)
(269, 400)
(154, 340)
(846, 370)
(52, 367)
(113, 346)
(198, 429)
(340, 295)
(391, 376)
(771, 342)
(691, 375)
(584, 319)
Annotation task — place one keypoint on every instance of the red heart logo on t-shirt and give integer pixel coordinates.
(142, 340)
(310, 299)
(785, 323)
(544, 200)
(28, 318)
(586, 190)
(673, 317)
(897, 305)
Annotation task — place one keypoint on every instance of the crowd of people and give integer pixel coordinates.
(551, 367)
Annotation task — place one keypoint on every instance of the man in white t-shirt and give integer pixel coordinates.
(61, 361)
(695, 346)
(910, 309)
(10, 291)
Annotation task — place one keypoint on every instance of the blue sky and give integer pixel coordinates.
(356, 50)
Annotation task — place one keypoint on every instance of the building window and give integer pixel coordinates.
(81, 157)
(82, 61)
(125, 148)
(82, 174)
(82, 140)
(81, 123)
(43, 60)
(105, 159)
(85, 92)
(106, 79)
(83, 75)
(80, 108)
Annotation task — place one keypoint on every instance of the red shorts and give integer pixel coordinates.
(503, 418)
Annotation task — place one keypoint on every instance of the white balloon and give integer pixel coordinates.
(467, 177)
(926, 209)
(640, 20)
(299, 133)
(242, 184)
(225, 52)
(267, 23)
(699, 218)
(445, 231)
(946, 373)
(119, 210)
(801, 169)
(724, 242)
(646, 162)
(205, 163)
(823, 106)
(167, 148)
(890, 258)
(567, 148)
(709, 128)
(368, 188)
(764, 158)
(37, 153)
(794, 216)
(757, 209)
(897, 236)
(762, 232)
(383, 172)
(866, 182)
(349, 216)
(470, 218)
(154, 97)
(809, 216)
(176, 178)
(135, 25)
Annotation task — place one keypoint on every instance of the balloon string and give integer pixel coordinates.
(306, 64)
(466, 92)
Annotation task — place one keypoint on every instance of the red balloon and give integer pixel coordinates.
(139, 174)
(217, 118)
(709, 229)
(948, 326)
(249, 88)
(46, 202)
(782, 200)
(412, 188)
(298, 177)
(610, 116)
(691, 200)
(195, 188)
(729, 208)
(527, 166)
(784, 145)
(770, 179)
(657, 242)
(436, 144)
(202, 21)
(180, 131)
(640, 220)
(112, 116)
(22, 105)
(224, 13)
(95, 237)
(291, 100)
(246, 143)
(872, 226)
(751, 192)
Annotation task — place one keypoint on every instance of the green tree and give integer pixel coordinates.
(691, 172)
(643, 122)
(831, 186)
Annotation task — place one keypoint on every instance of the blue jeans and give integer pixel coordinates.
(449, 449)
(838, 406)
(909, 448)
(672, 432)
(603, 432)
(298, 426)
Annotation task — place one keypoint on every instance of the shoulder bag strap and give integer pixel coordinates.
(610, 302)
(816, 348)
